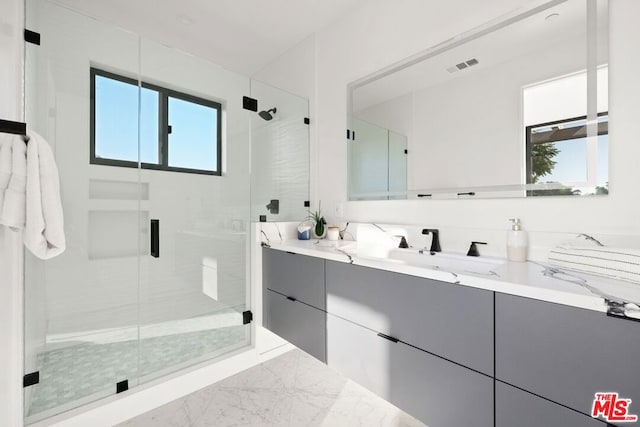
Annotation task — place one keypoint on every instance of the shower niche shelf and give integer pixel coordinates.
(118, 190)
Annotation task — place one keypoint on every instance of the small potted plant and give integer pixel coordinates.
(319, 227)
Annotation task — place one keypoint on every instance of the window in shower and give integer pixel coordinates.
(178, 132)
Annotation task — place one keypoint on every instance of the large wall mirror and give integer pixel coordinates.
(515, 108)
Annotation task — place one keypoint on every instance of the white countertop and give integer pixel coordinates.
(526, 279)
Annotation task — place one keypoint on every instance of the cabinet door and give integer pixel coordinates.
(452, 321)
(434, 390)
(294, 275)
(566, 354)
(300, 324)
(515, 407)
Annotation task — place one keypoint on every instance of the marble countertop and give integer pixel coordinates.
(527, 279)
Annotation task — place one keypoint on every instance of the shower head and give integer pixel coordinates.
(266, 115)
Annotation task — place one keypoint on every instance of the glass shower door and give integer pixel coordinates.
(194, 279)
(279, 155)
(155, 274)
(81, 308)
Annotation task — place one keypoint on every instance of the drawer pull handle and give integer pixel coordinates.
(291, 299)
(387, 337)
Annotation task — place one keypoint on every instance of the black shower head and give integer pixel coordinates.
(266, 115)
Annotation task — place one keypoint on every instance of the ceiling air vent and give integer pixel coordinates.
(462, 65)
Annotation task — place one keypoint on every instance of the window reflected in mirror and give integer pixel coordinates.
(567, 153)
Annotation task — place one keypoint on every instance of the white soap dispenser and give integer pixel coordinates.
(517, 242)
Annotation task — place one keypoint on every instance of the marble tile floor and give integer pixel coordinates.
(292, 390)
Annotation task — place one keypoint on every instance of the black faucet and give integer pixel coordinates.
(435, 241)
(473, 249)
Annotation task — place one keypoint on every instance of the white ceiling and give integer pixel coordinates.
(241, 35)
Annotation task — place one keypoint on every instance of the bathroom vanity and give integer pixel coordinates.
(517, 347)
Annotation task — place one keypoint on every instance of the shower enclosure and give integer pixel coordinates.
(154, 150)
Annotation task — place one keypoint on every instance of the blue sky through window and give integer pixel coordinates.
(192, 144)
(116, 119)
(194, 132)
(571, 161)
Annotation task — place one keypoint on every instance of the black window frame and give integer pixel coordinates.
(603, 129)
(163, 126)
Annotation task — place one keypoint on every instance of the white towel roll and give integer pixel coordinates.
(6, 143)
(12, 213)
(44, 229)
(618, 263)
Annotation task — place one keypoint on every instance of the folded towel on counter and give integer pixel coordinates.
(44, 227)
(13, 162)
(588, 256)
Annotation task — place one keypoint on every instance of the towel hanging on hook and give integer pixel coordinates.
(15, 128)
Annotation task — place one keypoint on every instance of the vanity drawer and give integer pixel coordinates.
(432, 389)
(300, 324)
(515, 407)
(452, 321)
(566, 354)
(294, 275)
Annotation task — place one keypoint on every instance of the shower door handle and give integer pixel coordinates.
(155, 238)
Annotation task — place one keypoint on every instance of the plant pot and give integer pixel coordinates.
(319, 230)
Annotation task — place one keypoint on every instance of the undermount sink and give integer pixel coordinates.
(424, 258)
(446, 261)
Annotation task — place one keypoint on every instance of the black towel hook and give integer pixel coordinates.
(15, 128)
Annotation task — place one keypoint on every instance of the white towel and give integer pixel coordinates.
(6, 142)
(12, 210)
(587, 257)
(44, 228)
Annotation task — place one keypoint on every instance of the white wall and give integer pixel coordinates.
(11, 48)
(395, 114)
(383, 33)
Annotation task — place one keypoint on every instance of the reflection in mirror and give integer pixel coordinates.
(378, 162)
(511, 109)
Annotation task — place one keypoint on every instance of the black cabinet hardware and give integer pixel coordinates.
(388, 338)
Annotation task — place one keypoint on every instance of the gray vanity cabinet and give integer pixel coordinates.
(566, 354)
(432, 389)
(515, 407)
(299, 323)
(293, 275)
(455, 322)
(294, 299)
